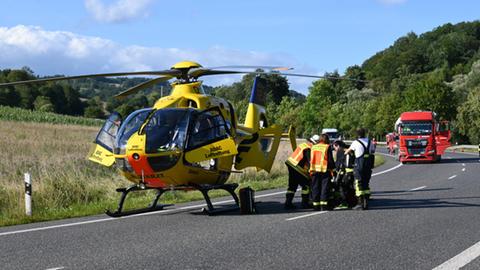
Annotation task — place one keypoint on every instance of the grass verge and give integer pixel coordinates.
(66, 185)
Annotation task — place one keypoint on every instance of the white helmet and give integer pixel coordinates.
(315, 139)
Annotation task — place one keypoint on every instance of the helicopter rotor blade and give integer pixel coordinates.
(197, 72)
(310, 76)
(142, 86)
(272, 68)
(205, 72)
(170, 73)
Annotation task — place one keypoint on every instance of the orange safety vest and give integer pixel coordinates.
(319, 158)
(297, 155)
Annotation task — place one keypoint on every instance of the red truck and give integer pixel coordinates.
(422, 136)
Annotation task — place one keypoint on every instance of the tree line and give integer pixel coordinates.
(438, 70)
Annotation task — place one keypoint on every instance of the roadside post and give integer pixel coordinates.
(28, 194)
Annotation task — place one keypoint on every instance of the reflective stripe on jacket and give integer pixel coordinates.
(319, 158)
(297, 155)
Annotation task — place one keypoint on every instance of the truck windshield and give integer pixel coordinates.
(416, 128)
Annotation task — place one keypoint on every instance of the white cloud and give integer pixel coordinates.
(392, 2)
(61, 52)
(118, 11)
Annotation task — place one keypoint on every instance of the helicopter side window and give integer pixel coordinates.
(207, 128)
(106, 136)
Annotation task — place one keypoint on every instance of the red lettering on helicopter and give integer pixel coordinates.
(151, 176)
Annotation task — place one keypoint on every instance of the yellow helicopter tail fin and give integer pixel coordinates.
(292, 136)
(260, 147)
(256, 113)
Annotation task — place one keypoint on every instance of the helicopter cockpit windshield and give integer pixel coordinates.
(166, 130)
(131, 125)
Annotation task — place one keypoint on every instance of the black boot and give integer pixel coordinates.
(289, 201)
(306, 201)
(360, 203)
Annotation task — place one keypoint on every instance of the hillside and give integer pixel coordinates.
(438, 70)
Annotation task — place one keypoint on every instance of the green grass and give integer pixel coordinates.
(66, 185)
(18, 114)
(379, 160)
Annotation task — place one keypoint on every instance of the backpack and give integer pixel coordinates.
(247, 201)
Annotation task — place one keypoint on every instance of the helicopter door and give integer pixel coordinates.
(102, 150)
(209, 138)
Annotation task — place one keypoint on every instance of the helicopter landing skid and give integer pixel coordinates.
(154, 206)
(210, 210)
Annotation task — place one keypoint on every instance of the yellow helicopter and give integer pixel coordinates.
(187, 140)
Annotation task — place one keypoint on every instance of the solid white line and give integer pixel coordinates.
(418, 188)
(131, 216)
(461, 259)
(152, 213)
(388, 170)
(307, 215)
(56, 268)
(451, 177)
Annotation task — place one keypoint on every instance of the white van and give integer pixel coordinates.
(332, 133)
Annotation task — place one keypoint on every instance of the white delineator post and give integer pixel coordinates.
(28, 194)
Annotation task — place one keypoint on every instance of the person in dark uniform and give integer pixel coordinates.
(344, 178)
(364, 160)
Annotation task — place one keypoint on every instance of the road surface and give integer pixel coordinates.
(422, 216)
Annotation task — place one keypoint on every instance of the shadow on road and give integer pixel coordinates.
(404, 192)
(386, 203)
(262, 207)
(460, 160)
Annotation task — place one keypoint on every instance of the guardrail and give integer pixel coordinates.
(453, 148)
(462, 147)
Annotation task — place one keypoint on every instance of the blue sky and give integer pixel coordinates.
(87, 36)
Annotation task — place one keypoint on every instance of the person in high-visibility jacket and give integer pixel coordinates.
(298, 164)
(321, 170)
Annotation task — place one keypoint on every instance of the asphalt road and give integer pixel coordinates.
(422, 216)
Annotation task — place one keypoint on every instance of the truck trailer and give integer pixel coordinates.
(422, 137)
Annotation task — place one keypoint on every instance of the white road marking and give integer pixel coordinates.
(153, 213)
(449, 157)
(307, 215)
(131, 216)
(463, 169)
(463, 164)
(388, 170)
(461, 259)
(418, 188)
(451, 177)
(56, 268)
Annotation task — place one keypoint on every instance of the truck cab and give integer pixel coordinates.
(421, 136)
